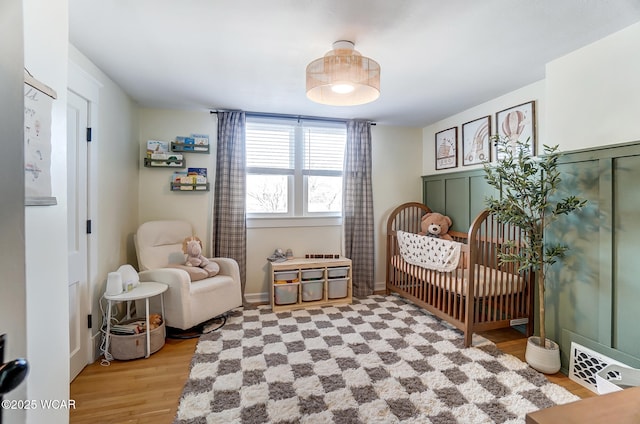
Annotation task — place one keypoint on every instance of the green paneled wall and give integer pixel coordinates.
(626, 234)
(576, 279)
(459, 195)
(479, 192)
(436, 192)
(594, 294)
(457, 207)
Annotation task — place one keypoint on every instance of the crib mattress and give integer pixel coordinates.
(488, 281)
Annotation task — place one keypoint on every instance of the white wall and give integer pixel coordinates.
(535, 91)
(589, 98)
(155, 200)
(397, 158)
(113, 179)
(45, 56)
(594, 93)
(261, 242)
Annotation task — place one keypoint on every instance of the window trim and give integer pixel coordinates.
(291, 221)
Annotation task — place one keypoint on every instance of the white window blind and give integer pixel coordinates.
(324, 150)
(270, 146)
(294, 168)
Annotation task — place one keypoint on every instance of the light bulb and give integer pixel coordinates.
(342, 88)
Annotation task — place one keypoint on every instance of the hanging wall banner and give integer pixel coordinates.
(38, 100)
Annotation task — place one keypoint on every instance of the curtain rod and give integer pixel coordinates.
(286, 116)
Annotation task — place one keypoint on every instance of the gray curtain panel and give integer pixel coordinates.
(229, 209)
(358, 207)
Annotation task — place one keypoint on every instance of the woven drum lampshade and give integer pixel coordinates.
(343, 77)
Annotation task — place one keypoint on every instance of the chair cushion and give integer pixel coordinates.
(195, 273)
(159, 243)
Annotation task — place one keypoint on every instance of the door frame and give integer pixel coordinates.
(86, 86)
(13, 301)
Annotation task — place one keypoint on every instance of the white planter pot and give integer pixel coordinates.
(543, 359)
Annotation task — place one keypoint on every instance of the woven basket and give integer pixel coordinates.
(125, 347)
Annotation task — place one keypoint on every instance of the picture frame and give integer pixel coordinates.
(476, 142)
(518, 123)
(447, 148)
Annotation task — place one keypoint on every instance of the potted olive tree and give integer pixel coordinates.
(527, 186)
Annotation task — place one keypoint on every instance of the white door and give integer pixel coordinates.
(79, 333)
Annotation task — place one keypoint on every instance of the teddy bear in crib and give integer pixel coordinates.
(435, 224)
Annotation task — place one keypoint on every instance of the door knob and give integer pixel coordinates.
(11, 374)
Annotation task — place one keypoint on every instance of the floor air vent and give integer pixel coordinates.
(585, 364)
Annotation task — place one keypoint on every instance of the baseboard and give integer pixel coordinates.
(96, 341)
(257, 297)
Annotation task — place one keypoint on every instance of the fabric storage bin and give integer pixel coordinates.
(125, 347)
(312, 274)
(337, 288)
(338, 272)
(312, 290)
(286, 294)
(285, 275)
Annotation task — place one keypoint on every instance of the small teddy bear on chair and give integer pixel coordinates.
(192, 247)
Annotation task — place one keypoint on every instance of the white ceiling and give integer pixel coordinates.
(437, 57)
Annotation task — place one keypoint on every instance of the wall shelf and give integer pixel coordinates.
(189, 148)
(164, 163)
(189, 187)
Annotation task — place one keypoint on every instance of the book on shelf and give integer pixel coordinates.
(185, 140)
(187, 182)
(170, 162)
(197, 171)
(156, 147)
(199, 177)
(201, 141)
(176, 177)
(166, 156)
(201, 182)
(185, 143)
(128, 329)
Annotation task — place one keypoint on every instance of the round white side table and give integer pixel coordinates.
(142, 291)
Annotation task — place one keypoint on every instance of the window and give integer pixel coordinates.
(294, 168)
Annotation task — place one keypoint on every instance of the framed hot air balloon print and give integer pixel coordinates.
(518, 123)
(476, 147)
(447, 148)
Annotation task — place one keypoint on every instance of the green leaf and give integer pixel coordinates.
(527, 186)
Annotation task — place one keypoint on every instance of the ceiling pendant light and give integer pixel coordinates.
(343, 77)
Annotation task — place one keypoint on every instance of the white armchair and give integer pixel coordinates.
(187, 303)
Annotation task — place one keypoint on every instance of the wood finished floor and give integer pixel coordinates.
(146, 391)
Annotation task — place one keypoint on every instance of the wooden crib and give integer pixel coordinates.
(478, 295)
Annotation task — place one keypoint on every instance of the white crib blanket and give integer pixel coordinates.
(429, 252)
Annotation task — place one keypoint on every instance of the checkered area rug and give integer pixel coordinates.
(379, 360)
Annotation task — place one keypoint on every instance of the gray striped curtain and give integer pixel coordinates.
(229, 210)
(358, 207)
